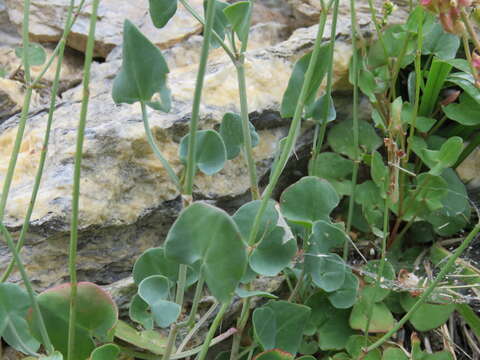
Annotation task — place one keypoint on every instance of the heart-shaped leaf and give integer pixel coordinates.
(232, 135)
(105, 352)
(155, 290)
(325, 237)
(154, 262)
(308, 200)
(210, 151)
(238, 15)
(340, 138)
(143, 73)
(208, 235)
(14, 304)
(319, 112)
(96, 316)
(440, 43)
(161, 11)
(381, 319)
(466, 112)
(327, 270)
(36, 54)
(279, 324)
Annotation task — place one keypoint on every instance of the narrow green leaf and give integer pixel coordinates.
(437, 75)
(149, 340)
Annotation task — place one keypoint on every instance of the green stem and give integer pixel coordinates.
(397, 67)
(196, 301)
(212, 330)
(28, 286)
(373, 13)
(380, 268)
(217, 37)
(192, 141)
(241, 323)
(182, 279)
(470, 29)
(72, 256)
(151, 141)
(298, 285)
(46, 139)
(172, 336)
(320, 134)
(291, 137)
(248, 148)
(351, 203)
(466, 242)
(23, 117)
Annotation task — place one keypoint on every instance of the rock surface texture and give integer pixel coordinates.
(127, 202)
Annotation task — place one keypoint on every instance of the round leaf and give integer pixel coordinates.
(330, 165)
(245, 217)
(327, 271)
(274, 354)
(346, 295)
(381, 318)
(36, 54)
(210, 151)
(308, 200)
(208, 235)
(105, 352)
(428, 316)
(96, 314)
(326, 236)
(138, 312)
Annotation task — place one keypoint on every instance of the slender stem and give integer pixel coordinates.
(196, 301)
(212, 330)
(397, 67)
(351, 203)
(197, 327)
(373, 13)
(151, 141)
(298, 285)
(470, 29)
(46, 139)
(466, 242)
(248, 148)
(72, 256)
(241, 323)
(217, 37)
(468, 54)
(23, 117)
(192, 141)
(172, 336)
(182, 279)
(291, 137)
(28, 286)
(380, 268)
(320, 134)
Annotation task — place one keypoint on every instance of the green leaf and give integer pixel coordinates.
(394, 354)
(428, 316)
(437, 75)
(340, 138)
(154, 262)
(394, 38)
(325, 237)
(273, 254)
(470, 317)
(238, 15)
(149, 340)
(318, 112)
(329, 165)
(371, 270)
(36, 54)
(327, 270)
(96, 315)
(381, 318)
(155, 290)
(143, 73)
(466, 112)
(208, 235)
(447, 156)
(274, 354)
(440, 43)
(291, 95)
(245, 217)
(105, 352)
(161, 11)
(220, 21)
(355, 346)
(14, 304)
(455, 212)
(232, 135)
(422, 123)
(287, 328)
(308, 200)
(243, 293)
(211, 154)
(379, 172)
(467, 83)
(138, 312)
(330, 323)
(345, 296)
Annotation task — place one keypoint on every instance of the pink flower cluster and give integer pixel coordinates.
(449, 12)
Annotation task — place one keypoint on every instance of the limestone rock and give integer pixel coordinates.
(469, 170)
(8, 33)
(12, 95)
(47, 18)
